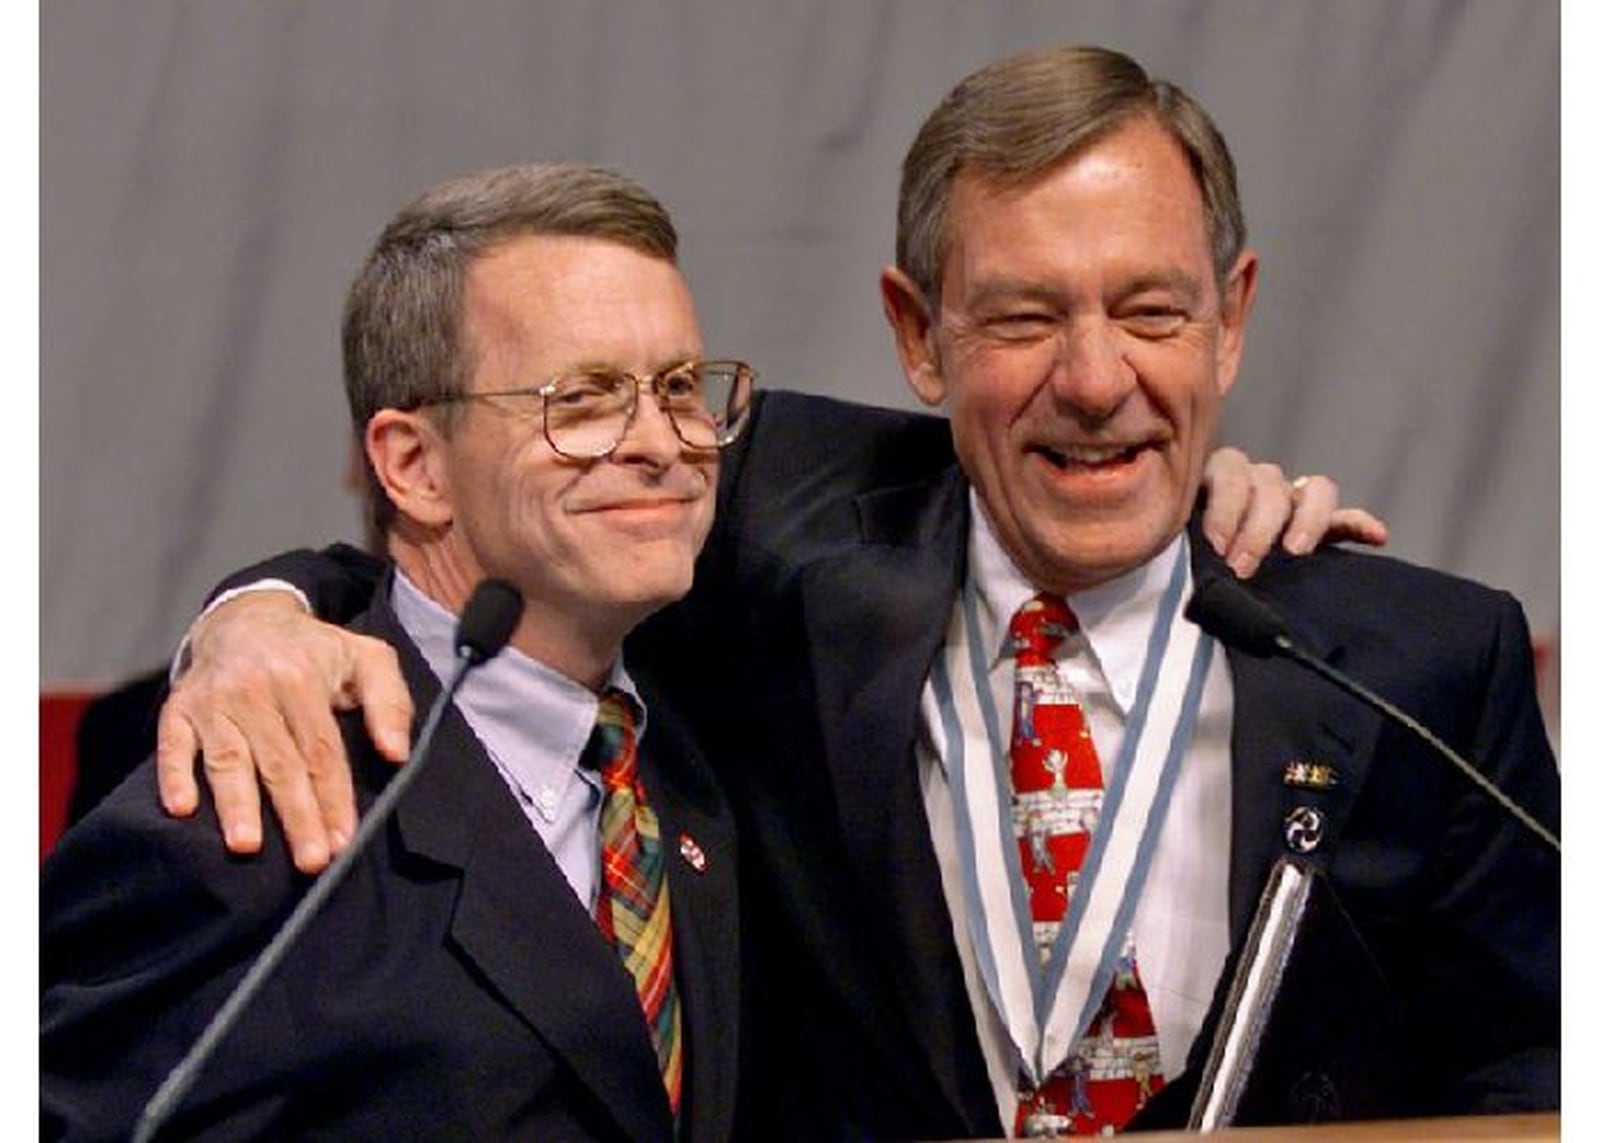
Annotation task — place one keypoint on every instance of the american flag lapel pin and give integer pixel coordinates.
(689, 849)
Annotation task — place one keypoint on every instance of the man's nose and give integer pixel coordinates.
(651, 437)
(1092, 372)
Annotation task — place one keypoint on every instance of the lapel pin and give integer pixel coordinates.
(1310, 775)
(1302, 829)
(689, 849)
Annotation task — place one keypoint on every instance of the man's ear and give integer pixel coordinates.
(1238, 298)
(912, 322)
(407, 452)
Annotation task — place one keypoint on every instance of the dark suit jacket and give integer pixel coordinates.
(800, 655)
(453, 988)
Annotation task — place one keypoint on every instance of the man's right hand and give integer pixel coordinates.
(257, 702)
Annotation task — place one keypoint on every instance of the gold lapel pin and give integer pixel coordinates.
(1310, 775)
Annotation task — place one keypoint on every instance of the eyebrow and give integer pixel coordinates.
(1179, 281)
(1020, 289)
(1012, 290)
(594, 365)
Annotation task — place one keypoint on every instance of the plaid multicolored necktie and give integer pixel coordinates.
(634, 912)
(1057, 788)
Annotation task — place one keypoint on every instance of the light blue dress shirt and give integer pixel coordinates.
(534, 723)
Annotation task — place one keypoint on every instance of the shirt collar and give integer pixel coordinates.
(534, 720)
(1117, 617)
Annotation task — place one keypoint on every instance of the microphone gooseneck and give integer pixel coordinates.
(1235, 616)
(486, 624)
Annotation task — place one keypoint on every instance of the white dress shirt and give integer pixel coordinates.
(1180, 927)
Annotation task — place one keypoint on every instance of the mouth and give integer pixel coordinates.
(656, 506)
(644, 519)
(653, 505)
(1096, 458)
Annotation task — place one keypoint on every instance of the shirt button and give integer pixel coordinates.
(544, 800)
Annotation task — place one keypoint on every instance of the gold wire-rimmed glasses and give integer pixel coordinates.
(587, 413)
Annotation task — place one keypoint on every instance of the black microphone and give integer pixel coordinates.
(1229, 612)
(486, 624)
(488, 620)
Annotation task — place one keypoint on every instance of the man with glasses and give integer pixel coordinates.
(543, 942)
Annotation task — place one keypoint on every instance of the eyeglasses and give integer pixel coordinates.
(587, 413)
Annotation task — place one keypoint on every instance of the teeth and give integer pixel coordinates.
(1092, 454)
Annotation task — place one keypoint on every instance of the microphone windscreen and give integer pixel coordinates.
(1227, 611)
(488, 620)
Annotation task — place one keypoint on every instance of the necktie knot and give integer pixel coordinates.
(1039, 627)
(612, 745)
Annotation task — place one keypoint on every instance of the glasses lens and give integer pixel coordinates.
(708, 401)
(585, 413)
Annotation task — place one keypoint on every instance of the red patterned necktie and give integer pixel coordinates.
(634, 912)
(1057, 788)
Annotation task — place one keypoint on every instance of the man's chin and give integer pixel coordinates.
(649, 594)
(1090, 553)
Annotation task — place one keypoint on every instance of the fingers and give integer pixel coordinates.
(182, 731)
(1315, 498)
(256, 703)
(231, 776)
(287, 716)
(1357, 525)
(1247, 506)
(367, 675)
(247, 745)
(1318, 519)
(1250, 507)
(385, 702)
(301, 761)
(176, 746)
(1267, 510)
(1227, 485)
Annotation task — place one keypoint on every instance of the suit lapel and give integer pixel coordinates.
(876, 616)
(516, 919)
(1283, 714)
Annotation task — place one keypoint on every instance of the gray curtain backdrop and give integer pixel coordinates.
(213, 172)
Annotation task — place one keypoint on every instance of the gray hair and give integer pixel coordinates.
(404, 333)
(1017, 118)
